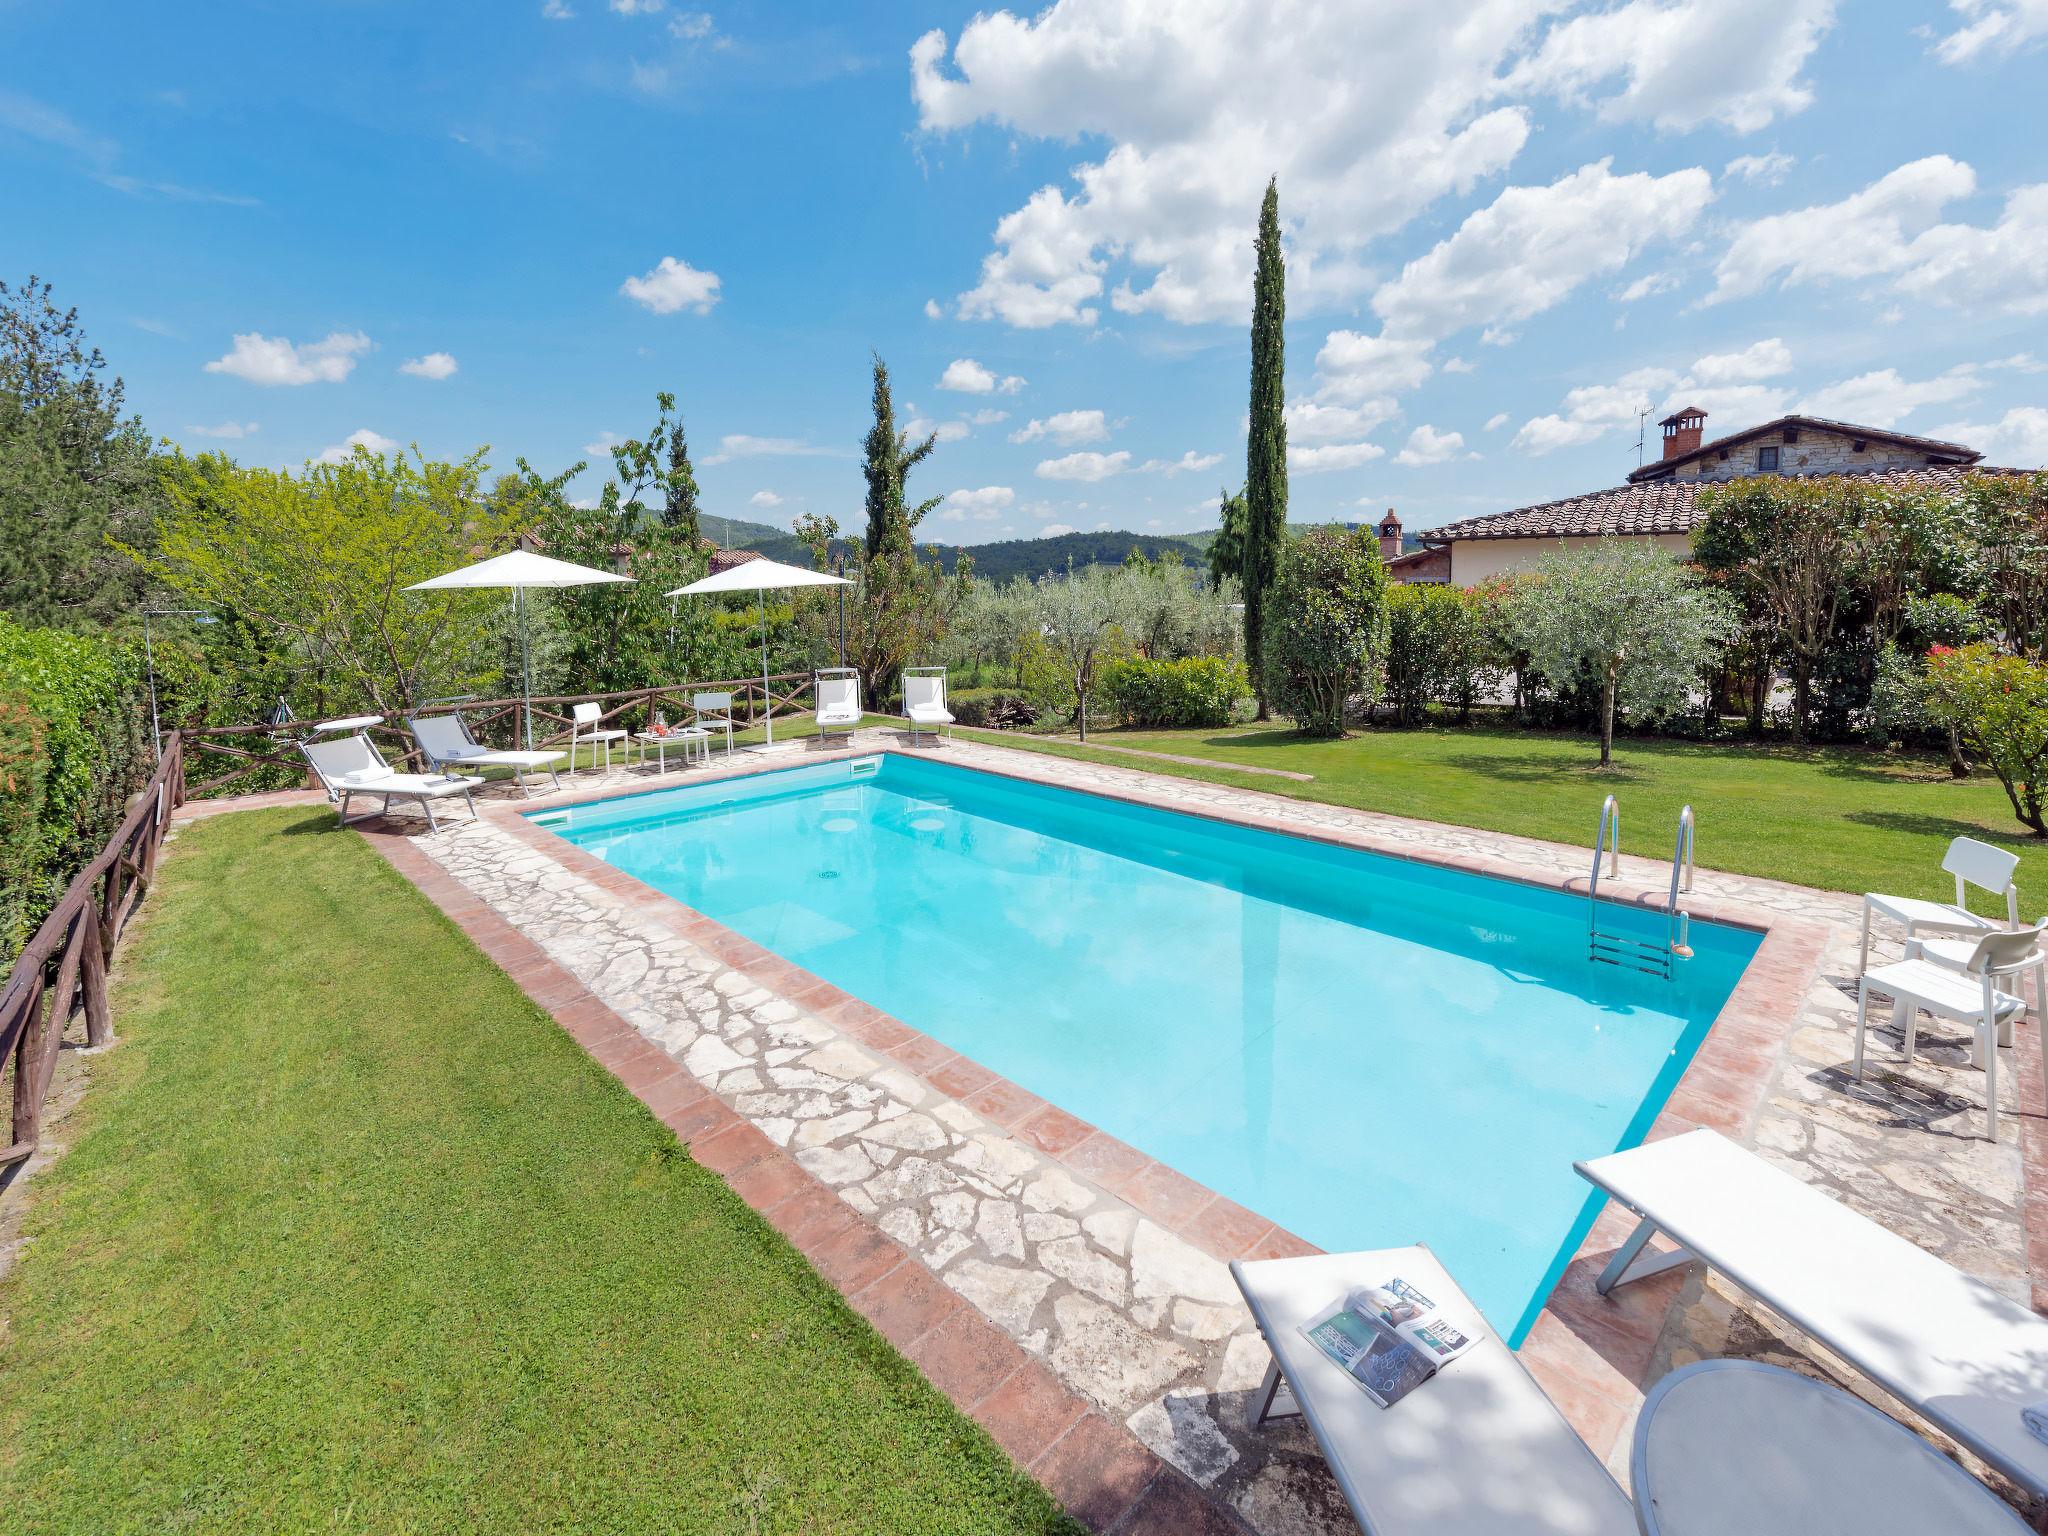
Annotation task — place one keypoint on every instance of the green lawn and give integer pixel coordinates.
(1838, 818)
(352, 1237)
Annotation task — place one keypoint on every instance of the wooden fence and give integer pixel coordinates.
(62, 970)
(252, 747)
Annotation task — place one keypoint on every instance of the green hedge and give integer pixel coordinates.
(1196, 690)
(74, 744)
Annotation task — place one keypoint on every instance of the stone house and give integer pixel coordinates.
(1656, 503)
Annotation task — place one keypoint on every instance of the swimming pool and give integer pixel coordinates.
(1366, 1050)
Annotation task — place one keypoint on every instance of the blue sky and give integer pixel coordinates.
(1511, 225)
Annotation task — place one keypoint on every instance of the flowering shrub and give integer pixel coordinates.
(1998, 704)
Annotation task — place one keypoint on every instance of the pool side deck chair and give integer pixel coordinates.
(1971, 863)
(1957, 1352)
(1477, 1450)
(446, 739)
(348, 765)
(924, 702)
(838, 695)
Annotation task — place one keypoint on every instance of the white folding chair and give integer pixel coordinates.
(711, 711)
(584, 727)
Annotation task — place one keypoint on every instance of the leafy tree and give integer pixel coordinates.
(1174, 615)
(1226, 550)
(1627, 615)
(1436, 649)
(2009, 516)
(889, 461)
(898, 610)
(319, 560)
(74, 472)
(679, 508)
(1328, 638)
(1265, 472)
(1078, 613)
(1999, 704)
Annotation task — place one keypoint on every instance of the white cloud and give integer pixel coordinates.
(1311, 421)
(362, 437)
(2017, 440)
(1647, 284)
(1766, 170)
(274, 360)
(965, 376)
(1686, 63)
(601, 450)
(1532, 246)
(227, 429)
(1354, 368)
(2001, 27)
(1890, 230)
(673, 285)
(1459, 365)
(1884, 399)
(1084, 466)
(918, 428)
(1189, 100)
(1332, 456)
(691, 26)
(1764, 359)
(764, 499)
(1067, 428)
(982, 506)
(1190, 462)
(435, 365)
(1426, 445)
(557, 10)
(1721, 383)
(739, 445)
(1496, 421)
(637, 7)
(1054, 530)
(987, 416)
(932, 310)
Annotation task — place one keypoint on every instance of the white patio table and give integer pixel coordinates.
(693, 739)
(1726, 1446)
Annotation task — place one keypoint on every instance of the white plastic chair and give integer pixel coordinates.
(838, 701)
(924, 701)
(1972, 863)
(583, 726)
(1969, 996)
(711, 711)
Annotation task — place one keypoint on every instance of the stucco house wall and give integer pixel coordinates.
(1474, 560)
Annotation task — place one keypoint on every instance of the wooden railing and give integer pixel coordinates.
(62, 970)
(787, 693)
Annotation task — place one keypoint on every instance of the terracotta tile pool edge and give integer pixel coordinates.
(1101, 1472)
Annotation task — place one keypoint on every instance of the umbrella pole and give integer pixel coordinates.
(525, 664)
(767, 703)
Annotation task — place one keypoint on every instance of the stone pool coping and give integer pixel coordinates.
(1580, 1343)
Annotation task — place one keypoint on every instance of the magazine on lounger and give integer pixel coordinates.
(1389, 1337)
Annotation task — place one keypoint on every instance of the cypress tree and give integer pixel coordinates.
(1265, 469)
(890, 458)
(679, 511)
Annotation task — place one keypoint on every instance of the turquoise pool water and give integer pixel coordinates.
(1366, 1050)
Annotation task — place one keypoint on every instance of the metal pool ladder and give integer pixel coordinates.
(1626, 950)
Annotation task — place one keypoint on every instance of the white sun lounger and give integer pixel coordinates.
(349, 766)
(924, 701)
(445, 739)
(1955, 1351)
(838, 693)
(1477, 1450)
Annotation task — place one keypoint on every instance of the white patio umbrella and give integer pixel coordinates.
(520, 570)
(757, 577)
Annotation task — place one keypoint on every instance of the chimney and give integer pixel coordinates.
(1683, 429)
(1390, 536)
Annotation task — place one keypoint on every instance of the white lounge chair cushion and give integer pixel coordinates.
(1915, 913)
(929, 714)
(1946, 1343)
(1477, 1450)
(836, 715)
(1939, 988)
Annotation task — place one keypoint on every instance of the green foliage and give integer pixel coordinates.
(1328, 638)
(679, 508)
(1226, 550)
(73, 471)
(73, 747)
(886, 467)
(1639, 625)
(1079, 617)
(1265, 474)
(1999, 705)
(1174, 613)
(1437, 649)
(1193, 690)
(2008, 516)
(317, 563)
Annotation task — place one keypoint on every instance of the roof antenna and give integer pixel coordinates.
(1642, 423)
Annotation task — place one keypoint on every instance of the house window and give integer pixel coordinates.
(1767, 459)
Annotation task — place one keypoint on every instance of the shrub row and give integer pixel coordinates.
(1194, 690)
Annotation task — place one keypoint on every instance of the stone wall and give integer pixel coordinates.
(1816, 453)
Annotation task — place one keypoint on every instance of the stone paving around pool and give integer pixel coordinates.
(1110, 1270)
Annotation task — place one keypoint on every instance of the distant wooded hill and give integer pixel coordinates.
(992, 562)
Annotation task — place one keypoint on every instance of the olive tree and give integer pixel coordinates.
(1640, 625)
(1327, 635)
(1077, 614)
